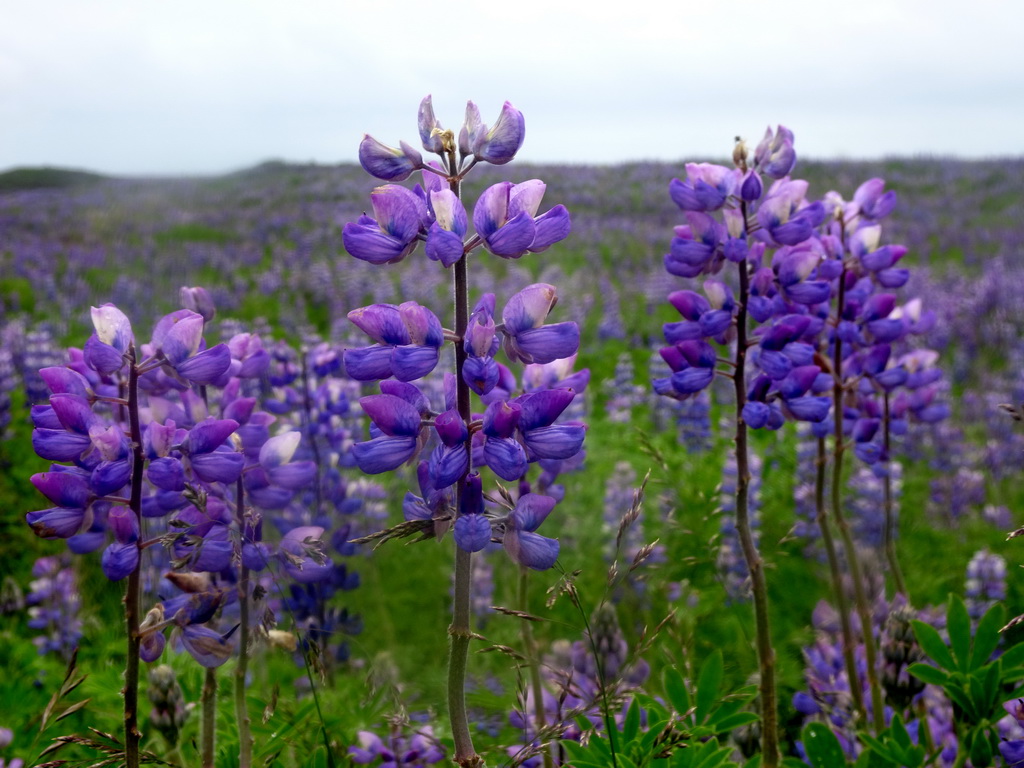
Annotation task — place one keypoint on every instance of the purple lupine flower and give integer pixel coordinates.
(775, 156)
(707, 187)
(498, 144)
(481, 371)
(526, 337)
(519, 538)
(409, 337)
(505, 217)
(398, 422)
(53, 604)
(393, 234)
(444, 237)
(986, 582)
(386, 162)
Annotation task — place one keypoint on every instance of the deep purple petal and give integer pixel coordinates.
(555, 442)
(413, 362)
(392, 415)
(472, 532)
(207, 366)
(58, 445)
(531, 549)
(368, 363)
(506, 457)
(218, 466)
(56, 523)
(513, 239)
(552, 227)
(119, 560)
(383, 453)
(65, 489)
(530, 511)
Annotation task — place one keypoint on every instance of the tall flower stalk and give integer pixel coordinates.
(513, 432)
(839, 448)
(132, 599)
(751, 555)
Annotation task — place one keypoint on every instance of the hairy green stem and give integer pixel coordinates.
(459, 631)
(837, 583)
(132, 609)
(853, 561)
(765, 651)
(208, 732)
(243, 721)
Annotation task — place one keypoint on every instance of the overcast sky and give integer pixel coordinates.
(206, 86)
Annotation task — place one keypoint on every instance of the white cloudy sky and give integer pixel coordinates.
(124, 86)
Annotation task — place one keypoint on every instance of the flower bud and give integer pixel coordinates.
(386, 162)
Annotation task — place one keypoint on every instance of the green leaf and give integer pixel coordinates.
(986, 636)
(822, 746)
(632, 725)
(1014, 657)
(318, 759)
(899, 732)
(958, 623)
(981, 750)
(708, 684)
(931, 643)
(574, 750)
(978, 697)
(962, 700)
(732, 722)
(929, 674)
(710, 755)
(675, 689)
(990, 682)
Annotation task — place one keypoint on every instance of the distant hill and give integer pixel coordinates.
(45, 178)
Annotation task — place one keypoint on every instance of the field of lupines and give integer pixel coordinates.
(591, 466)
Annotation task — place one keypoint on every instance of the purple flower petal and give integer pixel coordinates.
(208, 435)
(506, 457)
(56, 523)
(393, 415)
(531, 549)
(207, 647)
(551, 227)
(547, 343)
(65, 489)
(218, 466)
(472, 532)
(119, 560)
(207, 366)
(500, 144)
(368, 363)
(383, 454)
